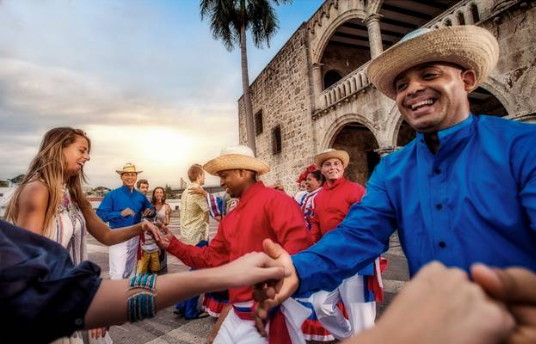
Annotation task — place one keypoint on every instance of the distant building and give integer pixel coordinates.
(315, 93)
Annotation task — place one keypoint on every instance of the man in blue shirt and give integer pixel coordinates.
(463, 191)
(122, 207)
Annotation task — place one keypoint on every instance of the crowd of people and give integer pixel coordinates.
(462, 197)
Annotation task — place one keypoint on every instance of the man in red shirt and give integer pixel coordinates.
(330, 207)
(261, 213)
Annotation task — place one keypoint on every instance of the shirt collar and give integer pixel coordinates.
(445, 133)
(127, 189)
(335, 184)
(251, 191)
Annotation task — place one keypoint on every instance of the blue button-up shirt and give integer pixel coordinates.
(473, 201)
(121, 198)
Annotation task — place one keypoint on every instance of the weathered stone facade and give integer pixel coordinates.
(351, 113)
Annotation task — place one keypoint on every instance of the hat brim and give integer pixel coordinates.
(468, 46)
(121, 172)
(338, 154)
(235, 162)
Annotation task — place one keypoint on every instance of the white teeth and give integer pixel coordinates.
(423, 103)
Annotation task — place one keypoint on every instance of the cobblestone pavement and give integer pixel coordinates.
(166, 327)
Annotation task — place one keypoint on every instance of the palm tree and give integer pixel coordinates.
(229, 21)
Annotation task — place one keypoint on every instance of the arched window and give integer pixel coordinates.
(331, 77)
(474, 13)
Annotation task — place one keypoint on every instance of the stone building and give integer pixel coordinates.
(315, 94)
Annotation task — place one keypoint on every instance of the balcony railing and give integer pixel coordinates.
(352, 83)
(464, 13)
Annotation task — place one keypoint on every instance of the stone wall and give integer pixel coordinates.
(282, 91)
(285, 92)
(513, 81)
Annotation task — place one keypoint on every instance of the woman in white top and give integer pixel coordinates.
(50, 201)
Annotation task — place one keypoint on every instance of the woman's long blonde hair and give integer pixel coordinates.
(48, 166)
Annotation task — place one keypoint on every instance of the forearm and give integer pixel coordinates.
(190, 255)
(109, 306)
(104, 234)
(119, 235)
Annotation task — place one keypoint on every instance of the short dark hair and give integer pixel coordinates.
(318, 176)
(141, 181)
(195, 171)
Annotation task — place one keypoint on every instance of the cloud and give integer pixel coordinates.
(35, 98)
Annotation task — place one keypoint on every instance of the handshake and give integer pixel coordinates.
(439, 305)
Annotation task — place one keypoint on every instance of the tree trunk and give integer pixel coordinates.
(250, 129)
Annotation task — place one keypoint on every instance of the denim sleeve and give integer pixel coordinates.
(42, 295)
(356, 242)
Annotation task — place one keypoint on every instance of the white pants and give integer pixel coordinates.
(237, 331)
(122, 258)
(361, 314)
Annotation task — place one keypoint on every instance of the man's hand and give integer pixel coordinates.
(127, 212)
(155, 231)
(516, 287)
(198, 190)
(271, 293)
(441, 306)
(164, 238)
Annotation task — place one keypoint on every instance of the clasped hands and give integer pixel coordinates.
(439, 305)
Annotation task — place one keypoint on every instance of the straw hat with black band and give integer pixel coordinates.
(236, 158)
(469, 46)
(331, 153)
(128, 168)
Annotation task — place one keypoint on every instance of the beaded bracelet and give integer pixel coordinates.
(142, 304)
(145, 281)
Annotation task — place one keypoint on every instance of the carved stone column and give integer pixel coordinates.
(317, 85)
(375, 36)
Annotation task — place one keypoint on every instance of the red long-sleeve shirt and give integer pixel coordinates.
(261, 213)
(332, 204)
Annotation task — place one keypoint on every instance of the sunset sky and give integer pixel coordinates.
(144, 78)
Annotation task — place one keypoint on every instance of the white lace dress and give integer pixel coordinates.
(69, 230)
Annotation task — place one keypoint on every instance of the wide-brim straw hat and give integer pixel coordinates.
(332, 153)
(236, 158)
(468, 46)
(128, 168)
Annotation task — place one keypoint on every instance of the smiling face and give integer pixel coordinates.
(144, 188)
(159, 194)
(433, 96)
(129, 179)
(75, 155)
(311, 183)
(332, 169)
(236, 181)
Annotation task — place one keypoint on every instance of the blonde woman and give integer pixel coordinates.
(50, 202)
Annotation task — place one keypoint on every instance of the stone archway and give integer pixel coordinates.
(361, 145)
(483, 102)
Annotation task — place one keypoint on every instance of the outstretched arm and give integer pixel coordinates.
(360, 238)
(109, 304)
(100, 231)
